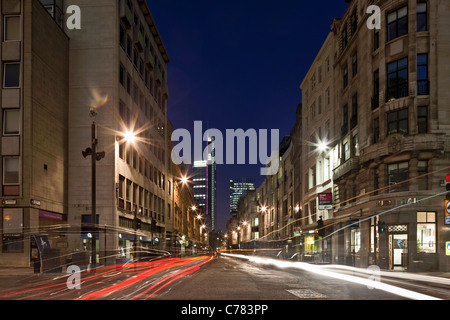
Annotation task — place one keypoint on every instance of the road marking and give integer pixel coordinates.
(307, 294)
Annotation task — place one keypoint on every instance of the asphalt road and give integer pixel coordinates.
(222, 278)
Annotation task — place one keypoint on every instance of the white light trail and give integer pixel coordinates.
(320, 271)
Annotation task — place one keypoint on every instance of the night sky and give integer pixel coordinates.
(239, 64)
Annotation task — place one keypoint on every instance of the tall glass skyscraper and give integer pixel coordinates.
(204, 185)
(238, 189)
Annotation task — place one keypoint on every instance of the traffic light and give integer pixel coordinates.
(447, 186)
(381, 227)
(138, 223)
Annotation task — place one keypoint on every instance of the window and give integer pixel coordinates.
(354, 64)
(422, 171)
(355, 144)
(313, 208)
(345, 80)
(313, 176)
(354, 119)
(376, 130)
(397, 173)
(129, 44)
(422, 20)
(122, 75)
(426, 232)
(11, 75)
(354, 22)
(422, 119)
(376, 39)
(128, 83)
(12, 28)
(397, 23)
(376, 90)
(12, 234)
(397, 79)
(346, 151)
(422, 74)
(10, 170)
(345, 120)
(344, 38)
(397, 122)
(11, 121)
(122, 36)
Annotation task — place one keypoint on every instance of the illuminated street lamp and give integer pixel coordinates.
(322, 146)
(129, 136)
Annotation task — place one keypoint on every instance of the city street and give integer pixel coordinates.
(227, 278)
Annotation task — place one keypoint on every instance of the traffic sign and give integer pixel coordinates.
(447, 211)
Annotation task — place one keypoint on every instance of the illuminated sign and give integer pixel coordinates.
(325, 201)
(447, 248)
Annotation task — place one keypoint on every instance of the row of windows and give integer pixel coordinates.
(397, 25)
(398, 122)
(143, 166)
(134, 197)
(397, 180)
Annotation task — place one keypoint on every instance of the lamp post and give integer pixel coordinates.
(95, 156)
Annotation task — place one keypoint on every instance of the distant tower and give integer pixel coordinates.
(238, 189)
(204, 185)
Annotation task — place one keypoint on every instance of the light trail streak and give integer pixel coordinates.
(168, 280)
(319, 271)
(139, 277)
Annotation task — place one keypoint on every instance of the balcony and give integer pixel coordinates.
(351, 165)
(125, 14)
(397, 92)
(138, 38)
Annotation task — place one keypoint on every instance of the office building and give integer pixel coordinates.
(238, 189)
(205, 185)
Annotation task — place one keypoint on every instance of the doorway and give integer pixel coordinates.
(398, 253)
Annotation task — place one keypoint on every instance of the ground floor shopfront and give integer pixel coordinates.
(395, 235)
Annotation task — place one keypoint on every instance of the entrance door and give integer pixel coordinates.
(399, 250)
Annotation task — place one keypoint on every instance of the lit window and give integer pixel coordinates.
(426, 232)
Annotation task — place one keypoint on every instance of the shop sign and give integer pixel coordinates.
(447, 248)
(325, 201)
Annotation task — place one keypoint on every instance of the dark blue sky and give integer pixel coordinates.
(239, 64)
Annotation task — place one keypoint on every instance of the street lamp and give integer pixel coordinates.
(95, 156)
